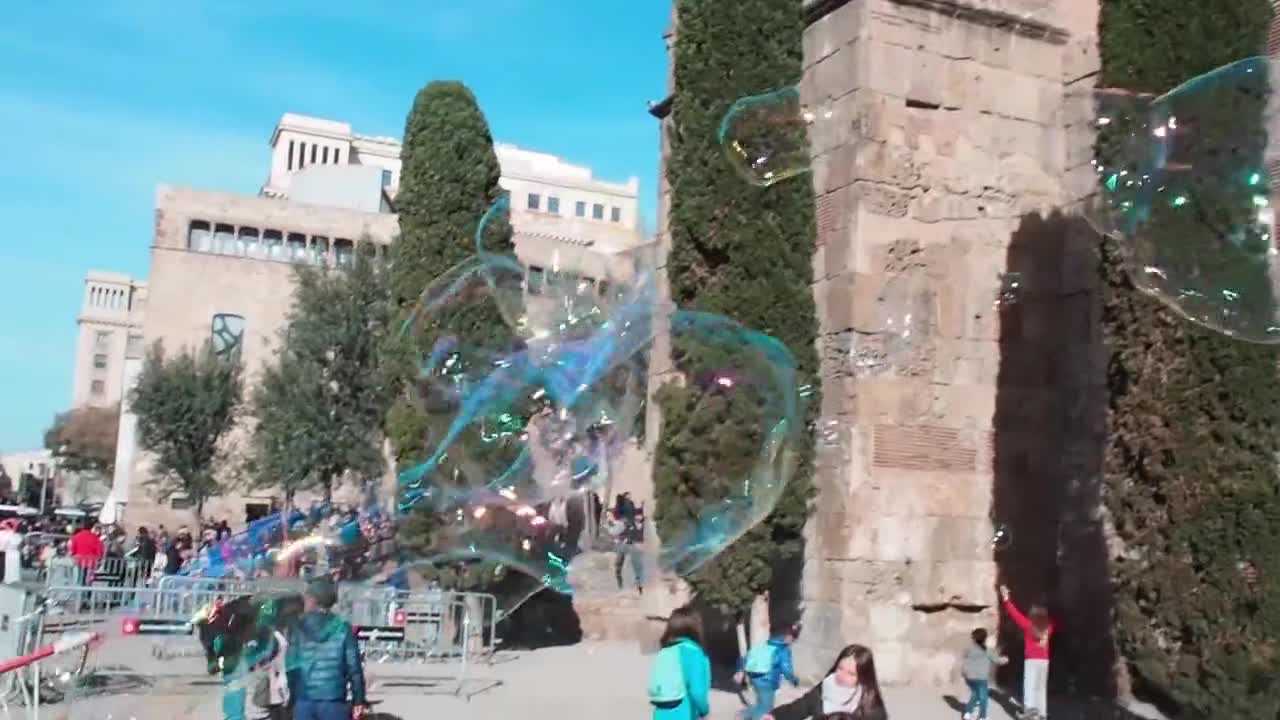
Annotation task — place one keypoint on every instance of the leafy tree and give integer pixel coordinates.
(1192, 482)
(186, 406)
(744, 252)
(320, 407)
(84, 439)
(449, 180)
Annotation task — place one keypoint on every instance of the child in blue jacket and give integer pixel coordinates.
(766, 666)
(680, 681)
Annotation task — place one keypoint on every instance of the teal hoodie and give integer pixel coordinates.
(697, 685)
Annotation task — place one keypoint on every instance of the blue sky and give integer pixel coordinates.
(101, 101)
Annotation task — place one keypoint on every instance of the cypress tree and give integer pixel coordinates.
(743, 252)
(448, 181)
(1191, 458)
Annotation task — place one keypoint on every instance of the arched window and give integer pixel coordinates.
(343, 252)
(199, 236)
(224, 239)
(272, 241)
(296, 247)
(249, 243)
(320, 250)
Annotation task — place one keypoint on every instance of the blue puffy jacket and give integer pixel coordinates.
(324, 659)
(782, 669)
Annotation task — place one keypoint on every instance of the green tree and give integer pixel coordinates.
(740, 251)
(448, 181)
(186, 406)
(1192, 483)
(84, 439)
(320, 406)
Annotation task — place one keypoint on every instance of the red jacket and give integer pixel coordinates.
(87, 548)
(1035, 644)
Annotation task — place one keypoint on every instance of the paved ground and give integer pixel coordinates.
(589, 680)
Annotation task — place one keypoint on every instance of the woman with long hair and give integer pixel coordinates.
(680, 679)
(849, 691)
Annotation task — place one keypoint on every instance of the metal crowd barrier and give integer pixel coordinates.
(109, 571)
(395, 627)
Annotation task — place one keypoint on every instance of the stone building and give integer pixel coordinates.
(954, 135)
(222, 265)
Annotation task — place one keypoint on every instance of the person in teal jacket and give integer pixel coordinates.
(684, 635)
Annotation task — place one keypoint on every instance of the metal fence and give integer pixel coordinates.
(151, 628)
(109, 571)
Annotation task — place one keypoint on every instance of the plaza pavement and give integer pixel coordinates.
(597, 680)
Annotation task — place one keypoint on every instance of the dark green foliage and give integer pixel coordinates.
(449, 180)
(186, 405)
(1191, 460)
(320, 406)
(740, 251)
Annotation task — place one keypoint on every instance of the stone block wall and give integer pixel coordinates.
(947, 132)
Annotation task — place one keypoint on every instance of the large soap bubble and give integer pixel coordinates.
(1185, 189)
(765, 137)
(740, 402)
(525, 429)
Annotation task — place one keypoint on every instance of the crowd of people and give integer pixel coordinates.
(355, 544)
(680, 678)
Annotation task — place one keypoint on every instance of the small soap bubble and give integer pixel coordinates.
(1001, 538)
(1010, 289)
(1184, 188)
(765, 137)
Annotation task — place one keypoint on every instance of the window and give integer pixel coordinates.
(536, 277)
(597, 212)
(284, 250)
(289, 160)
(324, 155)
(296, 247)
(553, 205)
(224, 239)
(272, 240)
(97, 388)
(248, 242)
(133, 348)
(102, 340)
(178, 502)
(302, 155)
(580, 209)
(615, 214)
(535, 201)
(100, 361)
(386, 178)
(320, 250)
(313, 153)
(199, 237)
(343, 252)
(603, 288)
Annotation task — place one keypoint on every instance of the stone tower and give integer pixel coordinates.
(948, 143)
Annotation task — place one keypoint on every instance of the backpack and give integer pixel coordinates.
(666, 677)
(760, 659)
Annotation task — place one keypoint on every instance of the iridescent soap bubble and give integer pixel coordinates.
(1185, 189)
(893, 331)
(513, 437)
(1001, 538)
(738, 434)
(765, 137)
(1010, 291)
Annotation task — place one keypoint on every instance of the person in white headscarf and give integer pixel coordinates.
(849, 691)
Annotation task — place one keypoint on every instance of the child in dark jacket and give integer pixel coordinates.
(766, 666)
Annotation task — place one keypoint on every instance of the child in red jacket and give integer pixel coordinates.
(1036, 629)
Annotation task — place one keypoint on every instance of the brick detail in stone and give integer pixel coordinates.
(923, 448)
(826, 218)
